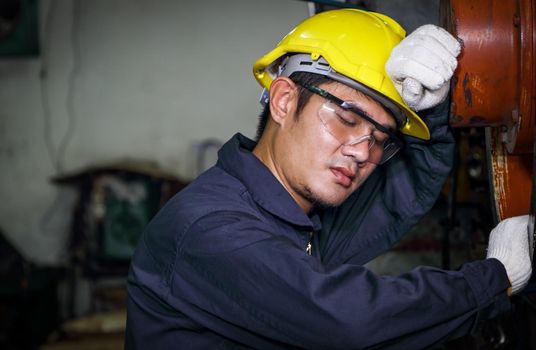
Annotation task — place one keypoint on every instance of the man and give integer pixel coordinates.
(266, 249)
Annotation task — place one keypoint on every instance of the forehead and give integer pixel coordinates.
(369, 105)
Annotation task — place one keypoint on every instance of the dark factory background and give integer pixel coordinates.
(109, 107)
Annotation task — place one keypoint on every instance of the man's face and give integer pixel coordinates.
(313, 165)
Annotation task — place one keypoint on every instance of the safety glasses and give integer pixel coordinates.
(351, 126)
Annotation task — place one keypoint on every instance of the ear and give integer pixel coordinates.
(283, 99)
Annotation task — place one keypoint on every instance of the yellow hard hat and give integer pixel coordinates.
(350, 46)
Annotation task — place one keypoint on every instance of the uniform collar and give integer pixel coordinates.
(236, 158)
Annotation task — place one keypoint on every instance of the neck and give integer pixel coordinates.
(265, 152)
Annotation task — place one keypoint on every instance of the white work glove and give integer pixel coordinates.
(422, 64)
(509, 243)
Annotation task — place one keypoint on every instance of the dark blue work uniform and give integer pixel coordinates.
(224, 265)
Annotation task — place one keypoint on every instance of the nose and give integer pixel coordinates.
(360, 150)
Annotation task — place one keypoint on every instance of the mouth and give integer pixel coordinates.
(343, 176)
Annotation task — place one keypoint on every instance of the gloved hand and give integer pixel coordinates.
(421, 66)
(509, 243)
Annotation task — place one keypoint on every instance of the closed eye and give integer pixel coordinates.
(346, 117)
(379, 136)
(348, 121)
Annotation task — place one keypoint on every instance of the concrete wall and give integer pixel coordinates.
(139, 79)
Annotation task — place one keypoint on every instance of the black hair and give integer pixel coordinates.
(304, 96)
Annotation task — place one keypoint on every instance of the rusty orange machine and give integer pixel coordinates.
(495, 87)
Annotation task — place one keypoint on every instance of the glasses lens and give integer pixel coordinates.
(343, 124)
(351, 129)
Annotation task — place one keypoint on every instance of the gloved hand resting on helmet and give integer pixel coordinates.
(509, 243)
(422, 64)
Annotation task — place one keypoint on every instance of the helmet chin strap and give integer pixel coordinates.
(305, 63)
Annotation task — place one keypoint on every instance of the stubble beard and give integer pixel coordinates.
(315, 200)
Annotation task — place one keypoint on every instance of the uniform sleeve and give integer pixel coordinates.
(235, 277)
(392, 200)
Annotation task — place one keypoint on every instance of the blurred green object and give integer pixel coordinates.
(19, 34)
(127, 212)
